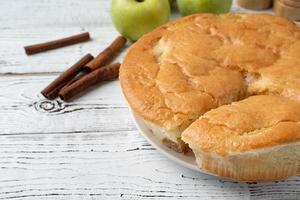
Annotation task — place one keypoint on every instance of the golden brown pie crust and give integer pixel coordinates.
(202, 60)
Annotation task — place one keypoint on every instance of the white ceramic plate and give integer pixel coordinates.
(186, 160)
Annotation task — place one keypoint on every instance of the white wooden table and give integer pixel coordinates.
(90, 148)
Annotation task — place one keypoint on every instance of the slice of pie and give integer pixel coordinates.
(256, 139)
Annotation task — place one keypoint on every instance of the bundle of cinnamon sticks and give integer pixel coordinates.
(86, 72)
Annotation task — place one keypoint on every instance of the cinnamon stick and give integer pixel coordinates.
(106, 55)
(37, 48)
(76, 78)
(105, 73)
(52, 90)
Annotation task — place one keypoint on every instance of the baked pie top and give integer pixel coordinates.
(246, 125)
(181, 70)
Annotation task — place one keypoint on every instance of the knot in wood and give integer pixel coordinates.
(48, 106)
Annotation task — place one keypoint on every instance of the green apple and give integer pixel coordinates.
(134, 18)
(187, 7)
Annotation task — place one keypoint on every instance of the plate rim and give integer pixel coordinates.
(169, 153)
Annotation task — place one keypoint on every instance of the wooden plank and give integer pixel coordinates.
(24, 110)
(112, 165)
(14, 60)
(54, 13)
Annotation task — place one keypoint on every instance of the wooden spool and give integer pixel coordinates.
(292, 3)
(288, 8)
(255, 4)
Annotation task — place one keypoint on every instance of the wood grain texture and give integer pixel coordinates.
(89, 148)
(26, 110)
(29, 22)
(112, 165)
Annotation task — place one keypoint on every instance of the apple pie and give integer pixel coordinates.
(176, 74)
